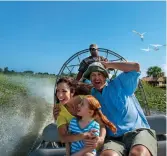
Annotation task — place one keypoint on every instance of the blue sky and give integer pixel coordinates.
(41, 36)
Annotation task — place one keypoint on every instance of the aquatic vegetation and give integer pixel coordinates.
(9, 89)
(156, 97)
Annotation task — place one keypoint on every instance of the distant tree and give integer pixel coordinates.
(154, 71)
(39, 73)
(28, 72)
(72, 74)
(6, 70)
(12, 71)
(1, 70)
(53, 74)
(64, 74)
(162, 74)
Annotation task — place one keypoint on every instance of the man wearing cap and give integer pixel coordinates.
(134, 136)
(87, 61)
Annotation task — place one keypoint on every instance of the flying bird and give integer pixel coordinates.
(140, 34)
(156, 46)
(148, 49)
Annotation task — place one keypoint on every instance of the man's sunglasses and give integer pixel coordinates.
(92, 49)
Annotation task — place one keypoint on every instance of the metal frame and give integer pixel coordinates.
(65, 65)
(146, 107)
(107, 52)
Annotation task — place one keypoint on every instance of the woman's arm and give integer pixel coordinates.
(66, 137)
(101, 136)
(67, 145)
(102, 131)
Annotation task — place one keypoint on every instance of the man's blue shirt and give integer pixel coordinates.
(120, 105)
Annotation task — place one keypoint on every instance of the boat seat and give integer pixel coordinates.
(161, 148)
(49, 152)
(158, 123)
(50, 133)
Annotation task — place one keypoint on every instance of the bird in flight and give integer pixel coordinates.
(156, 46)
(148, 49)
(140, 34)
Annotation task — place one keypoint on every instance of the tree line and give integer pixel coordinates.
(27, 72)
(153, 71)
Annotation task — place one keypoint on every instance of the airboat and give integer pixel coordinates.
(49, 144)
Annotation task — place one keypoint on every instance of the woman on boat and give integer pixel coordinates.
(67, 92)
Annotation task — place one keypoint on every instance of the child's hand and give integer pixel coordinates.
(89, 135)
(94, 132)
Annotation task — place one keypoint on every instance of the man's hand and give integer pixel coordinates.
(104, 63)
(106, 60)
(56, 111)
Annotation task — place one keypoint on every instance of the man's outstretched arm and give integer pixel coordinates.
(123, 66)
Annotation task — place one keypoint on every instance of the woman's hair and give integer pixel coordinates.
(95, 105)
(78, 88)
(82, 88)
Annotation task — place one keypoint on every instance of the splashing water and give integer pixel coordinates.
(24, 117)
(11, 132)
